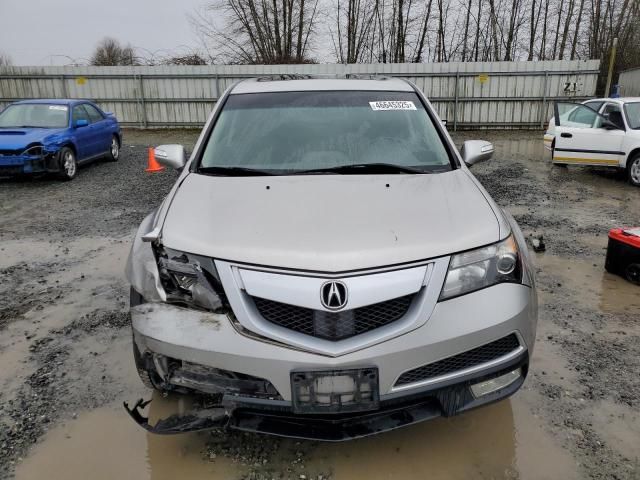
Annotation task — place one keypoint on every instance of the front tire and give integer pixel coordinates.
(67, 164)
(114, 149)
(149, 379)
(633, 170)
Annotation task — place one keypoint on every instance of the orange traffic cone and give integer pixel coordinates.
(152, 164)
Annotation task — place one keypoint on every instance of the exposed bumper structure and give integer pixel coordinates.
(273, 418)
(27, 164)
(462, 357)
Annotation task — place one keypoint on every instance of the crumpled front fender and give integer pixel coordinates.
(142, 269)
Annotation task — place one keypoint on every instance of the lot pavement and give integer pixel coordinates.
(65, 343)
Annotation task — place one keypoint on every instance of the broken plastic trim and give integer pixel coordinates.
(195, 420)
(275, 418)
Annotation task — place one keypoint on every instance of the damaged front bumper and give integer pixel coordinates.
(276, 417)
(45, 162)
(251, 384)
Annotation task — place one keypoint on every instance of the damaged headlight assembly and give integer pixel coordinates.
(190, 280)
(473, 270)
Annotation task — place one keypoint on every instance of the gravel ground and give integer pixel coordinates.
(65, 339)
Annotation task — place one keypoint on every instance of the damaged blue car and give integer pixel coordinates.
(55, 136)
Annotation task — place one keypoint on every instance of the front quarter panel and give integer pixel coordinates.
(530, 269)
(141, 269)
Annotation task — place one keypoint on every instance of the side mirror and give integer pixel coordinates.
(474, 151)
(81, 122)
(172, 156)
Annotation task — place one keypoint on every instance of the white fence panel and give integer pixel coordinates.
(630, 83)
(467, 95)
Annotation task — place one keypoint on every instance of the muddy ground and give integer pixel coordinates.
(65, 343)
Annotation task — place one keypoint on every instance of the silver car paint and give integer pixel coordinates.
(329, 223)
(453, 326)
(253, 86)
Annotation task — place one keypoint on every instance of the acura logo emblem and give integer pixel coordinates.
(333, 295)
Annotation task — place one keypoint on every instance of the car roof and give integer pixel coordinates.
(53, 101)
(615, 100)
(309, 83)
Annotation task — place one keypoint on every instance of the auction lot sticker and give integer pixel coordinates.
(392, 105)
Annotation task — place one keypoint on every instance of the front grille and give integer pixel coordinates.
(333, 325)
(471, 358)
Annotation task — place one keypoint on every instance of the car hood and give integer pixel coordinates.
(17, 138)
(329, 223)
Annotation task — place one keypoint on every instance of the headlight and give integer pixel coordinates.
(483, 267)
(190, 280)
(33, 150)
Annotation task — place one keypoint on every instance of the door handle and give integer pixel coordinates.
(566, 135)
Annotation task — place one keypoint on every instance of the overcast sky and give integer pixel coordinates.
(42, 32)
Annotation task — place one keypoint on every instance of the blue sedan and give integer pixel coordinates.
(55, 136)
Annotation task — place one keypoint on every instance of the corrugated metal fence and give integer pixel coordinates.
(629, 82)
(467, 95)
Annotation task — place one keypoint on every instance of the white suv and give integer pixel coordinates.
(326, 266)
(598, 132)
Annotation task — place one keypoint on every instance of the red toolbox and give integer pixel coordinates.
(623, 253)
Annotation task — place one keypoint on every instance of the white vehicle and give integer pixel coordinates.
(598, 132)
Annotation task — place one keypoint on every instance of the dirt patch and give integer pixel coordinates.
(66, 347)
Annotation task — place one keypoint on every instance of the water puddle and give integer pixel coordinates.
(500, 441)
(591, 284)
(107, 444)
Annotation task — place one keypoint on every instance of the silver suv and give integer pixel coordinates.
(327, 267)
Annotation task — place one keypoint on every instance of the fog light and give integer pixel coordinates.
(495, 384)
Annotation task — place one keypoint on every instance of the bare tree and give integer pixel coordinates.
(109, 52)
(353, 39)
(258, 31)
(187, 59)
(282, 31)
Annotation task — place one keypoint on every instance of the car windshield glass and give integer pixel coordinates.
(633, 114)
(290, 132)
(34, 115)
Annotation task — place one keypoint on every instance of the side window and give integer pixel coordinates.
(94, 114)
(577, 116)
(594, 105)
(79, 113)
(613, 113)
(610, 107)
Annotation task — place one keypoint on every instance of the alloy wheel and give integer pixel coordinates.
(115, 148)
(69, 164)
(635, 171)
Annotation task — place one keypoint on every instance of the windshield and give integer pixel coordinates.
(633, 114)
(289, 132)
(34, 115)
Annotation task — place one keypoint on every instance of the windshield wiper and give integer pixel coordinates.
(233, 172)
(363, 169)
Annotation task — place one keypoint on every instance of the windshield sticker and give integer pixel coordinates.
(58, 107)
(393, 105)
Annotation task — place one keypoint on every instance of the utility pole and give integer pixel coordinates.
(612, 60)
